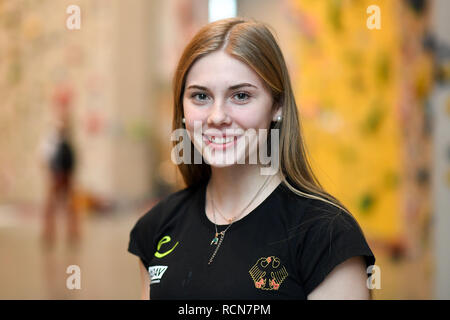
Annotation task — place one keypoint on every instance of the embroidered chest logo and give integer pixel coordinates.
(268, 273)
(156, 273)
(163, 240)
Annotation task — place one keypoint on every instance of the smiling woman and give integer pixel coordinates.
(279, 236)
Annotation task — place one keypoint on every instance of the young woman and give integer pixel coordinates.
(236, 232)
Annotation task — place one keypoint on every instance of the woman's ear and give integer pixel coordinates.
(277, 114)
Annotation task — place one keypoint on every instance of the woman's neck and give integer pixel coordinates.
(234, 187)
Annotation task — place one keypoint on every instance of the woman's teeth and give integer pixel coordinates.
(220, 140)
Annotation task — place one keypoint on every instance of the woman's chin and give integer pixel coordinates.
(220, 160)
(219, 163)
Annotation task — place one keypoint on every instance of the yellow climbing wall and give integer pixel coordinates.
(347, 91)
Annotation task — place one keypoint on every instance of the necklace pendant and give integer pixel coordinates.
(216, 239)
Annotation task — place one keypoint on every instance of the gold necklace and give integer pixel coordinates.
(216, 240)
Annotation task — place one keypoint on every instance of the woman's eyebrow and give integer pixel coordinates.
(194, 86)
(236, 86)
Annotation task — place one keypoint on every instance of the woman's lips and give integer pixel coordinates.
(219, 142)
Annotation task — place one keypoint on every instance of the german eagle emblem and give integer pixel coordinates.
(268, 273)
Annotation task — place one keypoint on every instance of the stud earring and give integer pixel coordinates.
(279, 119)
(183, 120)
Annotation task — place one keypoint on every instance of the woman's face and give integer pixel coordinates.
(228, 101)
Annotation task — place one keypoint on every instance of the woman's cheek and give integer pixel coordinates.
(252, 120)
(190, 117)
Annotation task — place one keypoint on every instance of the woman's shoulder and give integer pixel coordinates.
(315, 225)
(312, 211)
(180, 196)
(170, 205)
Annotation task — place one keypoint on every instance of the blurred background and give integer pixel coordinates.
(85, 123)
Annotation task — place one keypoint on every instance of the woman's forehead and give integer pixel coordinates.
(219, 69)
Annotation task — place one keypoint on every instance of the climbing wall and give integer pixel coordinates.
(362, 95)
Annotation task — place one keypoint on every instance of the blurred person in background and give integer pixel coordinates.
(59, 164)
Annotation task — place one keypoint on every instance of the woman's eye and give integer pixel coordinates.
(241, 96)
(200, 96)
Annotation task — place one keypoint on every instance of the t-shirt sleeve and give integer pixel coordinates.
(142, 235)
(332, 238)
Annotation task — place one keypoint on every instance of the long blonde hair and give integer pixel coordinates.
(253, 43)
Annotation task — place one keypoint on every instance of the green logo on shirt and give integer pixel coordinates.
(163, 240)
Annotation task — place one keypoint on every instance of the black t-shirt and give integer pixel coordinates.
(282, 249)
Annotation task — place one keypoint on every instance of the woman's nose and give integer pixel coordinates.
(218, 114)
